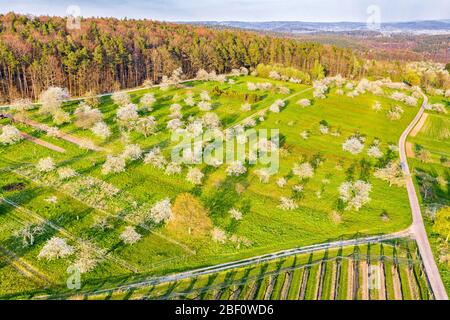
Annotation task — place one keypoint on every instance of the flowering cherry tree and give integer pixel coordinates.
(377, 106)
(66, 173)
(236, 168)
(155, 158)
(86, 116)
(235, 214)
(161, 211)
(211, 120)
(173, 168)
(147, 126)
(189, 100)
(45, 165)
(121, 98)
(204, 96)
(174, 124)
(127, 113)
(113, 165)
(130, 236)
(263, 175)
(101, 130)
(60, 117)
(194, 176)
(276, 106)
(355, 195)
(374, 152)
(10, 135)
(392, 173)
(132, 152)
(218, 235)
(204, 106)
(287, 204)
(52, 99)
(303, 170)
(354, 145)
(304, 102)
(55, 248)
(147, 101)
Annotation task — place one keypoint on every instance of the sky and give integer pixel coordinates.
(239, 10)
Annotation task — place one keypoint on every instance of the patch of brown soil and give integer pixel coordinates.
(419, 125)
(409, 150)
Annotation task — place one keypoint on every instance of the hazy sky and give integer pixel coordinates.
(243, 10)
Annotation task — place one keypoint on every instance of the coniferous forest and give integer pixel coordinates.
(107, 54)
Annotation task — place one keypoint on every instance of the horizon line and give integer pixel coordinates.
(447, 20)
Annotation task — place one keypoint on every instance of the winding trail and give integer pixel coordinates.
(418, 228)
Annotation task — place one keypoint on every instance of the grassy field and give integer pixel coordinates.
(321, 275)
(164, 249)
(435, 138)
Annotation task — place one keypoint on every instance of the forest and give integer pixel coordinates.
(107, 54)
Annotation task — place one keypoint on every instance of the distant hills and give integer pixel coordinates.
(415, 27)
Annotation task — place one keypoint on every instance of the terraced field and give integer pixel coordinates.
(383, 271)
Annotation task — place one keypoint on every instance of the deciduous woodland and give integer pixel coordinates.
(108, 54)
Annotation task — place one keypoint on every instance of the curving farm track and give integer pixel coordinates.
(418, 228)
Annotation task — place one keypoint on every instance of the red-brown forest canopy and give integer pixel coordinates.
(106, 54)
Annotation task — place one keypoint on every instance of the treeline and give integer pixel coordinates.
(107, 54)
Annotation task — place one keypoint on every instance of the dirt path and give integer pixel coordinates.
(82, 143)
(252, 291)
(303, 285)
(409, 150)
(412, 285)
(319, 281)
(419, 125)
(286, 286)
(42, 143)
(333, 281)
(382, 288)
(350, 280)
(397, 284)
(269, 288)
(364, 279)
(236, 293)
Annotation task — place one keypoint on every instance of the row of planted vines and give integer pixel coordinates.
(382, 271)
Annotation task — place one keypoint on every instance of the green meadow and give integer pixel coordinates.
(163, 249)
